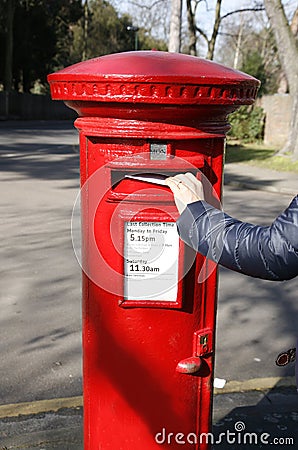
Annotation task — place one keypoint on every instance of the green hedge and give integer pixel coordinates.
(247, 124)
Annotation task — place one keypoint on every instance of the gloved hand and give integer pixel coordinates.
(186, 189)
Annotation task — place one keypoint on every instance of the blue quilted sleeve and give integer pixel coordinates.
(269, 252)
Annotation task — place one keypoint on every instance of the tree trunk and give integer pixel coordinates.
(85, 31)
(238, 45)
(288, 55)
(283, 87)
(292, 143)
(175, 26)
(192, 46)
(211, 43)
(9, 46)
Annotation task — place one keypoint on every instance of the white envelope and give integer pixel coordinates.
(154, 178)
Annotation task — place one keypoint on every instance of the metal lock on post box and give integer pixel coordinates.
(149, 302)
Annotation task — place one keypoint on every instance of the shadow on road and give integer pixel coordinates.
(32, 161)
(252, 420)
(250, 182)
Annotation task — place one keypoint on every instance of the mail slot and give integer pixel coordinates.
(149, 302)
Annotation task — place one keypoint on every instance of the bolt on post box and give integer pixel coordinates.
(149, 302)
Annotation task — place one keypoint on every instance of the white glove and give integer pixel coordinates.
(186, 189)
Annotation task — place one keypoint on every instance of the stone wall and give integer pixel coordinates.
(33, 107)
(41, 107)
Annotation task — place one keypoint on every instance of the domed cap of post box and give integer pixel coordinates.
(153, 77)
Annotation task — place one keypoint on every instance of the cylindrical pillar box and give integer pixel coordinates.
(149, 302)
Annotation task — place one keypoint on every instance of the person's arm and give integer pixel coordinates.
(270, 252)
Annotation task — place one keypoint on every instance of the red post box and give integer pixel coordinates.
(149, 302)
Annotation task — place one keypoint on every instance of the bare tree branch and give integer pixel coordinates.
(191, 29)
(203, 34)
(140, 5)
(222, 33)
(197, 4)
(217, 22)
(206, 3)
(255, 9)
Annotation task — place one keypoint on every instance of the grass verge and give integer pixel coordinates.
(258, 155)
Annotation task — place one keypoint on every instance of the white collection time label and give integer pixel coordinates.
(151, 251)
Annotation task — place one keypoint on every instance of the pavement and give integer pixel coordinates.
(249, 414)
(256, 417)
(251, 177)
